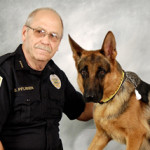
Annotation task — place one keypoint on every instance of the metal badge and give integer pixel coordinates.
(55, 81)
(1, 79)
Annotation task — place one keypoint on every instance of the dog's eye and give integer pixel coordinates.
(84, 73)
(101, 72)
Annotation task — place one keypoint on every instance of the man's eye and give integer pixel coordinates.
(54, 35)
(41, 31)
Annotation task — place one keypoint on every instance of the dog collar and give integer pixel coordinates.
(113, 95)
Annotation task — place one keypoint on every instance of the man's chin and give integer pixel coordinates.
(42, 58)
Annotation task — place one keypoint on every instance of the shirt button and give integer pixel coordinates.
(28, 100)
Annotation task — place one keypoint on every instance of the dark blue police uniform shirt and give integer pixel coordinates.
(31, 105)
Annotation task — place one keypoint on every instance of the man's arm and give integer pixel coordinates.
(87, 114)
(1, 146)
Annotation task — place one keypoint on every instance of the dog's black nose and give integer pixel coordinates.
(90, 97)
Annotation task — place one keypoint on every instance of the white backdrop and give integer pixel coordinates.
(87, 21)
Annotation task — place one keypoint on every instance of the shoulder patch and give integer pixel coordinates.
(1, 79)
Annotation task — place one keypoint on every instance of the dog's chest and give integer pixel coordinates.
(106, 120)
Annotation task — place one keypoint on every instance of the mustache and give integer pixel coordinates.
(43, 47)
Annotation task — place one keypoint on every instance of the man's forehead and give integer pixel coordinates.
(48, 14)
(46, 17)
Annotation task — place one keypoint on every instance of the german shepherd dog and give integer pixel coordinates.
(118, 114)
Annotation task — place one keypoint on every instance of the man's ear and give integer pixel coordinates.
(24, 31)
(109, 46)
(76, 49)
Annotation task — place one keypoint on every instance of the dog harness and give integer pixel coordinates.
(133, 78)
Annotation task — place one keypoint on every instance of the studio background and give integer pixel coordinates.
(87, 21)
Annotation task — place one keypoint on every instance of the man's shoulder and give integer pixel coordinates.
(9, 57)
(6, 57)
(57, 68)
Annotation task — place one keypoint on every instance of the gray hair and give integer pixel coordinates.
(33, 13)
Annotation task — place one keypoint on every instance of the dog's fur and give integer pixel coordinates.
(123, 117)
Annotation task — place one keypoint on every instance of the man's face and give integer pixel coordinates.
(38, 48)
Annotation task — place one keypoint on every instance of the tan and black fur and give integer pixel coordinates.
(123, 117)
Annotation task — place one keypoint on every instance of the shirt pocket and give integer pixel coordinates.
(54, 103)
(55, 94)
(26, 109)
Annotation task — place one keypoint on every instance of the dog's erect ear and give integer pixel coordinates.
(109, 46)
(76, 49)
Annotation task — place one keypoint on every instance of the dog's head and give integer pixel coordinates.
(97, 70)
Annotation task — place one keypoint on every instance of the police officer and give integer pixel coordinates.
(34, 92)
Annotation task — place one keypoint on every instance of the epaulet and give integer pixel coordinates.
(4, 57)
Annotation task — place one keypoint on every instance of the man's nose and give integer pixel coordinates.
(46, 40)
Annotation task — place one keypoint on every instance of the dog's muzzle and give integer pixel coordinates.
(92, 97)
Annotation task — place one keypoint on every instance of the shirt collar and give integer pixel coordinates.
(20, 61)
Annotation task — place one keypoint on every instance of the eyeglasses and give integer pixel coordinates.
(40, 33)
